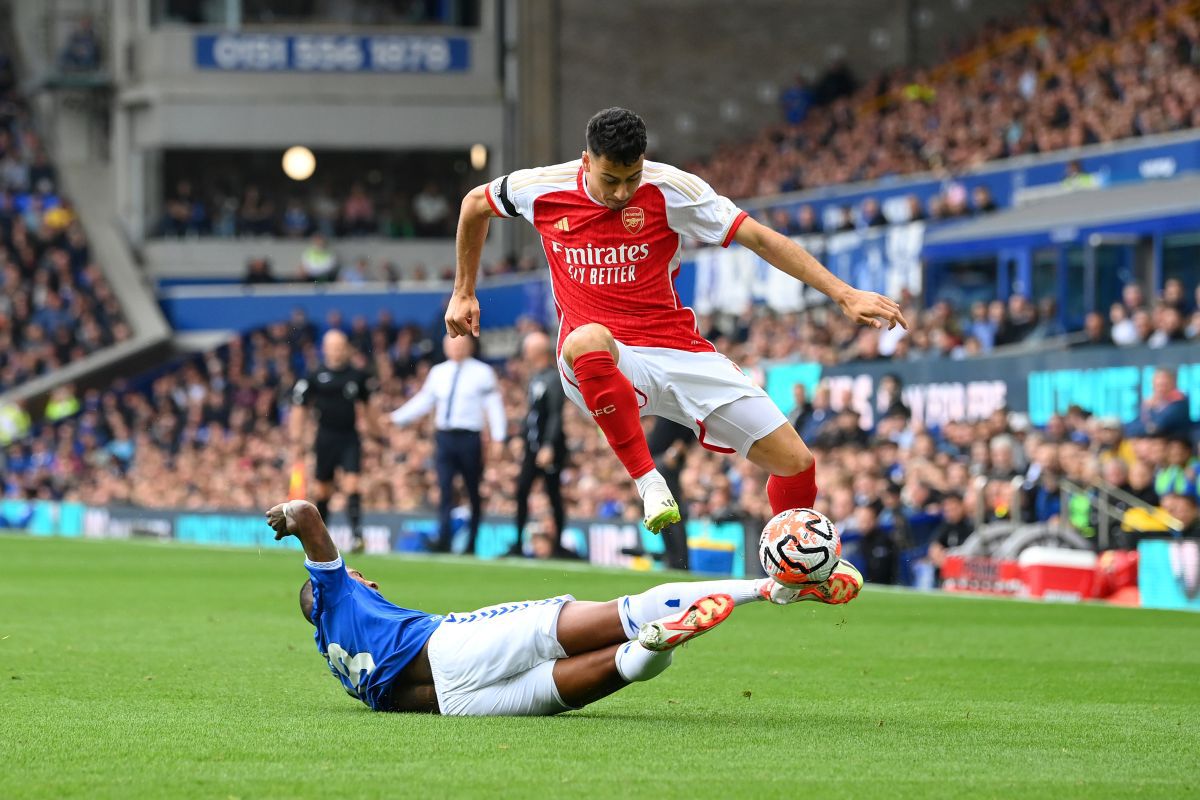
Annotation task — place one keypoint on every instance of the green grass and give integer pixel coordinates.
(147, 670)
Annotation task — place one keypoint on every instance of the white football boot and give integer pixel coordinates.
(840, 587)
(661, 508)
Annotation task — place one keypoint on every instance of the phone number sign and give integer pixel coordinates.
(238, 52)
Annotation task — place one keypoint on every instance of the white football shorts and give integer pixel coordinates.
(707, 392)
(499, 660)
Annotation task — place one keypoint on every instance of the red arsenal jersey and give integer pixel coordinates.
(617, 268)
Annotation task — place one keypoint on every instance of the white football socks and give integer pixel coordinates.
(673, 598)
(651, 478)
(636, 663)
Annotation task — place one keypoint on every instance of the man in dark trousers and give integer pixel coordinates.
(669, 443)
(459, 391)
(545, 443)
(337, 392)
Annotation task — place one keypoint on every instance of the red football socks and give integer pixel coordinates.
(610, 399)
(795, 491)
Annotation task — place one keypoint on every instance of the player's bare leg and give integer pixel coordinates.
(591, 352)
(584, 626)
(793, 481)
(587, 677)
(793, 485)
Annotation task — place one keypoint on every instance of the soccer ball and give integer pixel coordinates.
(799, 547)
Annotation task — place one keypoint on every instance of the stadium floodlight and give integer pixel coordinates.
(299, 163)
(479, 157)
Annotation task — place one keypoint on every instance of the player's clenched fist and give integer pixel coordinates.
(462, 315)
(868, 308)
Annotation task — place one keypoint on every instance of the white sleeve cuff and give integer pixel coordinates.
(324, 565)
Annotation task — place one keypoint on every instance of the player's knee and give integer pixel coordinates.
(588, 338)
(794, 460)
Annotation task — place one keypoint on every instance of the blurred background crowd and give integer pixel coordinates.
(209, 433)
(55, 304)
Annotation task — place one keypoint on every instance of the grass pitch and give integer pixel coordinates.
(146, 670)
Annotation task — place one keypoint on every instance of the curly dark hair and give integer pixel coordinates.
(617, 134)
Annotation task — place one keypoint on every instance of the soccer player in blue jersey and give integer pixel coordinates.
(516, 659)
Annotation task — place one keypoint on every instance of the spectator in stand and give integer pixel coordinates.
(258, 271)
(296, 223)
(807, 223)
(1165, 412)
(1004, 334)
(1184, 506)
(802, 410)
(880, 554)
(431, 212)
(255, 216)
(81, 53)
(1180, 469)
(982, 201)
(1094, 334)
(820, 418)
(357, 272)
(185, 215)
(1168, 326)
(1132, 298)
(1173, 295)
(1022, 317)
(952, 531)
(318, 263)
(795, 101)
(358, 213)
(870, 215)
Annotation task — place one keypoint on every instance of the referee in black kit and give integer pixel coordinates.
(336, 391)
(459, 391)
(545, 442)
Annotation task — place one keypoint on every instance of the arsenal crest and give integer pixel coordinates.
(633, 218)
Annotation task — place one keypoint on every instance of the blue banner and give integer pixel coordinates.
(1169, 573)
(243, 309)
(1109, 382)
(266, 52)
(1135, 160)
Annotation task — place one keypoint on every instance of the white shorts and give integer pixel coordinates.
(499, 660)
(696, 390)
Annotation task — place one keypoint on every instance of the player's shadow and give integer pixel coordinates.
(661, 716)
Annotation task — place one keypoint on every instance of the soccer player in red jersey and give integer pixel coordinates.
(612, 226)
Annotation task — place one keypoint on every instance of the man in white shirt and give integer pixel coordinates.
(459, 391)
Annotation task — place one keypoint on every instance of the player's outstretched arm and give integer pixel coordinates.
(865, 308)
(301, 519)
(462, 314)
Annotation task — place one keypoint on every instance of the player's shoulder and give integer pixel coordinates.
(559, 176)
(673, 180)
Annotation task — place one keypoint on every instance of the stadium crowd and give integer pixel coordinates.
(1068, 73)
(55, 304)
(208, 433)
(323, 261)
(228, 207)
(942, 331)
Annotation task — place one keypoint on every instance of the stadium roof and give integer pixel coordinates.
(1078, 209)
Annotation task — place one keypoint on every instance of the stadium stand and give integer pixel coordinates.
(56, 305)
(206, 434)
(1082, 73)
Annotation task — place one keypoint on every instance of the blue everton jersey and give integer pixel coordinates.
(367, 640)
